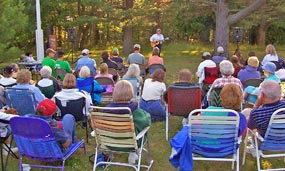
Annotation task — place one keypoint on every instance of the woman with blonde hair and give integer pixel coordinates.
(271, 56)
(104, 73)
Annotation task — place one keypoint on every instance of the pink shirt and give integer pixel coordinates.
(155, 60)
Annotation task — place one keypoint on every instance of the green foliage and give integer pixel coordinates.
(275, 34)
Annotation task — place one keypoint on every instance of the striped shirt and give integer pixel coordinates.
(260, 117)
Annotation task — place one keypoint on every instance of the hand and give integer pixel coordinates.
(104, 88)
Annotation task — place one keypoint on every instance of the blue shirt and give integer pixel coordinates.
(86, 61)
(247, 73)
(38, 94)
(218, 59)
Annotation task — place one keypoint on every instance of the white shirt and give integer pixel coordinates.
(158, 37)
(45, 82)
(200, 71)
(268, 58)
(7, 81)
(153, 90)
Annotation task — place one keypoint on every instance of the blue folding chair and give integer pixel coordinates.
(273, 143)
(23, 100)
(36, 141)
(214, 137)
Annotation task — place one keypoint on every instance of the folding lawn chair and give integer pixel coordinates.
(36, 141)
(106, 96)
(115, 133)
(272, 145)
(214, 138)
(215, 99)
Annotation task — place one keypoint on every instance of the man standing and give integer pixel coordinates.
(49, 61)
(60, 63)
(157, 39)
(86, 61)
(137, 58)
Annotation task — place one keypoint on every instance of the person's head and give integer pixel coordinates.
(253, 61)
(158, 75)
(155, 51)
(85, 52)
(15, 67)
(220, 50)
(29, 54)
(8, 71)
(69, 81)
(50, 52)
(60, 54)
(231, 97)
(45, 72)
(236, 62)
(105, 56)
(269, 68)
(251, 53)
(133, 71)
(123, 91)
(46, 108)
(184, 75)
(137, 47)
(206, 55)
(115, 51)
(270, 49)
(237, 52)
(84, 72)
(103, 68)
(270, 90)
(158, 31)
(226, 68)
(24, 76)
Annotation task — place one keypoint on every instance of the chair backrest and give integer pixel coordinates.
(142, 70)
(213, 135)
(277, 64)
(113, 71)
(73, 107)
(121, 69)
(114, 132)
(215, 99)
(275, 133)
(23, 100)
(153, 67)
(255, 82)
(48, 91)
(35, 139)
(60, 73)
(135, 83)
(182, 100)
(104, 81)
(211, 74)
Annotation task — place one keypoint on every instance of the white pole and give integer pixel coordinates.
(39, 34)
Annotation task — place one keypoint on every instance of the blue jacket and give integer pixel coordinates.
(247, 73)
(181, 150)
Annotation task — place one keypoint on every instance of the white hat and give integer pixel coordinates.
(85, 51)
(206, 54)
(220, 49)
(137, 46)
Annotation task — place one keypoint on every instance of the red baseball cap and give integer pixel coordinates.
(47, 107)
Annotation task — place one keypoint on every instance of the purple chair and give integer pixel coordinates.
(36, 141)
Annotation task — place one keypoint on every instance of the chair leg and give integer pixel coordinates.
(166, 124)
(95, 159)
(257, 154)
(244, 149)
(2, 161)
(237, 160)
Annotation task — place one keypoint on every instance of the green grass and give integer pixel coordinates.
(176, 56)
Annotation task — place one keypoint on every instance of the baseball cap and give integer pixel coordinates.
(206, 54)
(269, 67)
(137, 46)
(220, 49)
(86, 51)
(47, 107)
(49, 50)
(115, 50)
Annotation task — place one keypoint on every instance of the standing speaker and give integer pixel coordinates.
(71, 34)
(237, 34)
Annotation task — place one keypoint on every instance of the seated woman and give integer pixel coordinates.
(8, 80)
(70, 92)
(237, 65)
(250, 70)
(23, 81)
(87, 83)
(47, 86)
(122, 95)
(133, 73)
(151, 100)
(104, 73)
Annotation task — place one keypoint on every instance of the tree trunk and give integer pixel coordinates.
(128, 30)
(261, 33)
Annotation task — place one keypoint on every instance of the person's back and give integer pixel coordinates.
(219, 58)
(250, 70)
(49, 61)
(86, 61)
(136, 57)
(60, 63)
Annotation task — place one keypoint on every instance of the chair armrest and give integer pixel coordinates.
(142, 133)
(256, 134)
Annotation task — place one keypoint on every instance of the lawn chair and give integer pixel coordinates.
(214, 138)
(115, 133)
(36, 141)
(153, 67)
(181, 101)
(23, 100)
(75, 108)
(255, 82)
(215, 99)
(106, 96)
(273, 143)
(211, 74)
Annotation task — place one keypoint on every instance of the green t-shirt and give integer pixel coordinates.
(61, 64)
(51, 63)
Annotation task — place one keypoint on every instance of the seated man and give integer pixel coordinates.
(266, 104)
(64, 130)
(207, 62)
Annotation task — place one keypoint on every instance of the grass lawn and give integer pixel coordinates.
(176, 56)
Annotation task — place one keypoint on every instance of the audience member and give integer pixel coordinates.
(15, 69)
(29, 57)
(207, 62)
(122, 95)
(155, 59)
(49, 60)
(238, 54)
(60, 63)
(250, 70)
(87, 83)
(115, 56)
(151, 100)
(104, 73)
(85, 60)
(70, 92)
(220, 57)
(226, 69)
(8, 80)
(237, 65)
(23, 81)
(136, 57)
(134, 72)
(106, 59)
(47, 85)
